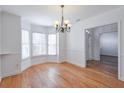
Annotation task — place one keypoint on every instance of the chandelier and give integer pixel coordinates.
(64, 25)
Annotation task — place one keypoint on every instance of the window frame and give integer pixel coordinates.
(48, 45)
(22, 44)
(41, 43)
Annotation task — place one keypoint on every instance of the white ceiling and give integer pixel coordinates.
(46, 14)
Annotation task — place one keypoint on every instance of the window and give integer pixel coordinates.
(52, 44)
(39, 44)
(25, 44)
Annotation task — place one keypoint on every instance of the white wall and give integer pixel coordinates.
(0, 43)
(75, 45)
(62, 47)
(11, 44)
(76, 38)
(109, 44)
(0, 31)
(11, 31)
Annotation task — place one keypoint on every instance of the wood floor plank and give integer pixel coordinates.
(65, 75)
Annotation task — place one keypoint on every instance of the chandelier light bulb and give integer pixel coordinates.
(55, 25)
(56, 22)
(66, 21)
(69, 25)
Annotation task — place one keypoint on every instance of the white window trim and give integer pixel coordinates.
(29, 44)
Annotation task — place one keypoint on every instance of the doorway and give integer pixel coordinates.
(102, 48)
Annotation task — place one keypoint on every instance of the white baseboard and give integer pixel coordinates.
(25, 64)
(121, 78)
(10, 74)
(25, 67)
(68, 61)
(36, 63)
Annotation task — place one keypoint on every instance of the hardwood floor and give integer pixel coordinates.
(107, 65)
(62, 75)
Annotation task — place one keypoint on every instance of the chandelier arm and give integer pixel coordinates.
(68, 29)
(59, 29)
